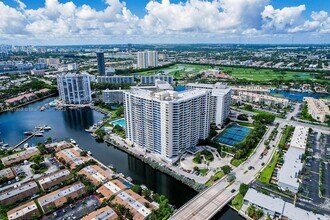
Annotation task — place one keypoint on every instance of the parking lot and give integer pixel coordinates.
(76, 210)
(310, 182)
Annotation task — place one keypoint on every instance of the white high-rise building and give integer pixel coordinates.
(146, 59)
(142, 60)
(167, 122)
(152, 58)
(220, 101)
(74, 88)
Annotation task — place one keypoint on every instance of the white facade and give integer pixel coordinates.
(317, 108)
(262, 99)
(146, 59)
(142, 60)
(115, 79)
(168, 122)
(112, 96)
(219, 103)
(150, 80)
(152, 58)
(74, 88)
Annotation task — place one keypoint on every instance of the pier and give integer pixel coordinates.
(27, 138)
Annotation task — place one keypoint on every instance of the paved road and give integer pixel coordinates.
(206, 204)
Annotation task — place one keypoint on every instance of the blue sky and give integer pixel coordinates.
(164, 21)
(138, 6)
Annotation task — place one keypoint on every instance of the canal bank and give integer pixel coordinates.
(72, 124)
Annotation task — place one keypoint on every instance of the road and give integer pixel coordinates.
(207, 203)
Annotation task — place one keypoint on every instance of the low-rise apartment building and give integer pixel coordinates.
(16, 194)
(277, 208)
(54, 179)
(116, 79)
(134, 202)
(6, 174)
(57, 146)
(20, 156)
(105, 213)
(26, 211)
(288, 175)
(317, 108)
(254, 89)
(112, 96)
(72, 157)
(96, 174)
(150, 80)
(262, 99)
(110, 188)
(59, 197)
(128, 198)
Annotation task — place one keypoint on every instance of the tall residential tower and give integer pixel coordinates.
(167, 122)
(146, 59)
(74, 88)
(100, 63)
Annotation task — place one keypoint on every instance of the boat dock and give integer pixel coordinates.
(28, 138)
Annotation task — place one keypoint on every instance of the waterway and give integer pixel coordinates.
(298, 96)
(72, 124)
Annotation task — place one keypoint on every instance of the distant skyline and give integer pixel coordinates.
(78, 22)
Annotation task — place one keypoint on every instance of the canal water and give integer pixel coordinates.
(72, 124)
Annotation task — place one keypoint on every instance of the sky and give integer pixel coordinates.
(78, 22)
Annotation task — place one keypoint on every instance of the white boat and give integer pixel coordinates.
(89, 152)
(47, 128)
(42, 108)
(73, 141)
(39, 134)
(28, 133)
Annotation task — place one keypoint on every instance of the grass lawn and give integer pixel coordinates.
(267, 74)
(266, 173)
(254, 74)
(238, 201)
(218, 175)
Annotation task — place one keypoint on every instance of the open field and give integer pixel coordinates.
(253, 74)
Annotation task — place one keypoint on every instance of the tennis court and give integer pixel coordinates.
(233, 134)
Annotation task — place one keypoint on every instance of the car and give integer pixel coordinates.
(251, 167)
(262, 164)
(233, 190)
(261, 156)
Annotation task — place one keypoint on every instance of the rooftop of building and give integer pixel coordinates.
(18, 190)
(60, 193)
(54, 176)
(168, 95)
(22, 210)
(262, 200)
(96, 173)
(105, 213)
(27, 152)
(288, 174)
(299, 137)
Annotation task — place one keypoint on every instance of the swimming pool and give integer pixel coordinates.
(121, 122)
(233, 134)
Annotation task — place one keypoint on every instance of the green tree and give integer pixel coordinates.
(243, 188)
(226, 169)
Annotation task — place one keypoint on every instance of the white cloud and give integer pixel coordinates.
(217, 16)
(282, 20)
(164, 21)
